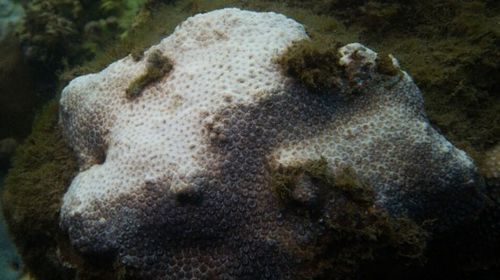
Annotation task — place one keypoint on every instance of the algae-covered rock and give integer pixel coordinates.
(62, 32)
(178, 181)
(41, 172)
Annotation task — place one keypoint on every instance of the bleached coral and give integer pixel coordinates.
(177, 182)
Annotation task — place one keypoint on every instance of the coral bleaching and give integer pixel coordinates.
(177, 182)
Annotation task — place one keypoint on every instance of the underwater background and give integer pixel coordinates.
(450, 48)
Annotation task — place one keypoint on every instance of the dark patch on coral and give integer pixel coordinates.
(241, 227)
(223, 232)
(191, 196)
(305, 220)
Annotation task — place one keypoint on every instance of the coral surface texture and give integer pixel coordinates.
(178, 179)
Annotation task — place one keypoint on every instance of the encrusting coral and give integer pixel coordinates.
(178, 182)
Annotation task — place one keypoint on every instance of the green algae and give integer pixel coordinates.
(314, 63)
(157, 66)
(41, 172)
(385, 65)
(457, 100)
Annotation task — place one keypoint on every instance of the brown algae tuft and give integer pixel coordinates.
(157, 66)
(385, 65)
(314, 63)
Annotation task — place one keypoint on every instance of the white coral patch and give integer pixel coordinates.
(221, 57)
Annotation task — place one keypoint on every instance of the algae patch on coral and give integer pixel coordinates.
(356, 233)
(157, 66)
(314, 63)
(385, 65)
(449, 47)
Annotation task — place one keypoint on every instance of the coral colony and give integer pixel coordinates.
(214, 155)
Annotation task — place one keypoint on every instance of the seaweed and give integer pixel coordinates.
(42, 169)
(314, 63)
(157, 66)
(385, 65)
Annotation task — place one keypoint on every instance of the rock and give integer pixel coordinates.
(177, 182)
